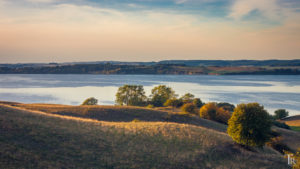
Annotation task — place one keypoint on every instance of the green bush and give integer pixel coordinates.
(250, 125)
(280, 114)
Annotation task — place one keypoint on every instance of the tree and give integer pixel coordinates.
(90, 101)
(173, 102)
(226, 106)
(187, 98)
(161, 94)
(250, 125)
(189, 108)
(131, 95)
(280, 114)
(197, 102)
(211, 111)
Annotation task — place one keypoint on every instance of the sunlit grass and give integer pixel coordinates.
(34, 139)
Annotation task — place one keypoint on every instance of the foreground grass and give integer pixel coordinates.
(38, 140)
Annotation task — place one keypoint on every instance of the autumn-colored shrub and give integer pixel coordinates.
(189, 108)
(211, 111)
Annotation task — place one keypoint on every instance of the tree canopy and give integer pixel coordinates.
(281, 113)
(189, 108)
(226, 106)
(131, 95)
(211, 111)
(90, 101)
(173, 102)
(197, 102)
(161, 94)
(250, 125)
(187, 98)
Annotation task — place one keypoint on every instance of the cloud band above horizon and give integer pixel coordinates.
(146, 30)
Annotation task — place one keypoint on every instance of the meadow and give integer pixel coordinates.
(59, 136)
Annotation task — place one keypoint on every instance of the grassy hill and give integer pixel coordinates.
(293, 121)
(58, 136)
(122, 114)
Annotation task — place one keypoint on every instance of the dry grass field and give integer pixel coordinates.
(58, 136)
(292, 121)
(122, 114)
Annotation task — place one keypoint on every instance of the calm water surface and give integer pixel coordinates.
(273, 92)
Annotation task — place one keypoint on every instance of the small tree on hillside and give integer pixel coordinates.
(280, 114)
(226, 106)
(173, 103)
(197, 102)
(250, 125)
(131, 95)
(187, 98)
(211, 111)
(90, 101)
(161, 94)
(189, 108)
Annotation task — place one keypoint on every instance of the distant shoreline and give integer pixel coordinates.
(171, 67)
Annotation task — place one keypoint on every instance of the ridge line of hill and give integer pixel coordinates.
(91, 120)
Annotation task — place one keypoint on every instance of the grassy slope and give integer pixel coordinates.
(31, 139)
(292, 121)
(122, 114)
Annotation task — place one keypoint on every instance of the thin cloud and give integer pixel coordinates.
(269, 9)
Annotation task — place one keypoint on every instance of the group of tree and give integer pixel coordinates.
(162, 95)
(248, 124)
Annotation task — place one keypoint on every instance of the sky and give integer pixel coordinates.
(148, 30)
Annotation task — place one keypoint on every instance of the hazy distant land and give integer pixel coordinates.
(185, 67)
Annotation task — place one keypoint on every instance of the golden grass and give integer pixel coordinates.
(35, 139)
(122, 114)
(292, 121)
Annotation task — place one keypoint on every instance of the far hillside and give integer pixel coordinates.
(293, 121)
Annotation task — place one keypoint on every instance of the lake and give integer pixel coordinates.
(272, 91)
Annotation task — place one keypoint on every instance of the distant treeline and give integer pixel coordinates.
(222, 63)
(180, 69)
(295, 62)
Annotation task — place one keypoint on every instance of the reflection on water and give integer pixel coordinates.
(272, 91)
